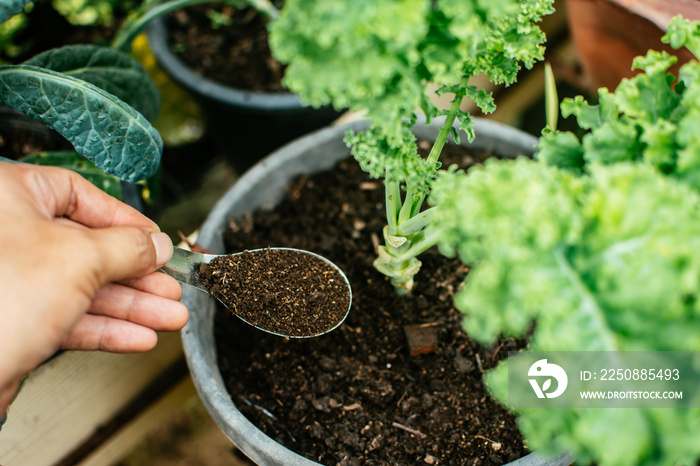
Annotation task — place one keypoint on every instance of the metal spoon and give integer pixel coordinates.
(184, 267)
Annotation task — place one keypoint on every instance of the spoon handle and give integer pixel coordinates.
(184, 267)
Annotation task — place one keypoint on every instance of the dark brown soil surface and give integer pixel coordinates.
(285, 292)
(356, 396)
(237, 54)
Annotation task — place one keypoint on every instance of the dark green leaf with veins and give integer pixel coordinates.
(115, 72)
(100, 126)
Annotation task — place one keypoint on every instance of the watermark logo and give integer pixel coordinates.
(542, 369)
(603, 379)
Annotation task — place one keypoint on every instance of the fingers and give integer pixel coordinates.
(125, 319)
(7, 393)
(94, 208)
(139, 307)
(103, 333)
(64, 193)
(126, 244)
(157, 283)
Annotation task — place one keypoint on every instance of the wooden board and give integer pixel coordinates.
(65, 401)
(148, 420)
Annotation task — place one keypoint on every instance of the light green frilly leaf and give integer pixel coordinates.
(395, 163)
(378, 55)
(606, 261)
(560, 149)
(681, 32)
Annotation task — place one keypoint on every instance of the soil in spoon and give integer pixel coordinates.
(282, 291)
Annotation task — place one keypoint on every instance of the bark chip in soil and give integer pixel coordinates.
(279, 290)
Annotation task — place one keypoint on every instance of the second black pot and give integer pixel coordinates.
(255, 123)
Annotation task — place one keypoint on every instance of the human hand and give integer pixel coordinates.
(78, 271)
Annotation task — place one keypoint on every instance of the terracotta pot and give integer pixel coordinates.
(608, 34)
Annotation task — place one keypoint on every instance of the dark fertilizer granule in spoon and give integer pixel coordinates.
(282, 291)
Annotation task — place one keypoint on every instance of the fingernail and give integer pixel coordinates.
(164, 247)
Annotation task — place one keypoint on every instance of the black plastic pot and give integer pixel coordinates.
(263, 187)
(254, 123)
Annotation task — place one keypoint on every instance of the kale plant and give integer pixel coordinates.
(596, 243)
(381, 56)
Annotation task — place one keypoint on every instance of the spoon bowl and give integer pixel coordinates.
(301, 312)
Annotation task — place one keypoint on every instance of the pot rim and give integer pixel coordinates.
(158, 42)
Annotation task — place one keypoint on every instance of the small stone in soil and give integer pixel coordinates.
(422, 338)
(279, 290)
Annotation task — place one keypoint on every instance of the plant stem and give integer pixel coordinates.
(436, 150)
(416, 223)
(412, 203)
(405, 233)
(551, 98)
(392, 200)
(265, 7)
(420, 246)
(407, 207)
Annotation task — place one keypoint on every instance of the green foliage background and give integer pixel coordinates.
(594, 247)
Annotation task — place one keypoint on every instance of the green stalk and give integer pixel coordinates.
(406, 223)
(265, 7)
(551, 98)
(407, 207)
(436, 150)
(412, 204)
(416, 223)
(420, 246)
(392, 201)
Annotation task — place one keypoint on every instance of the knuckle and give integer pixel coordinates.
(143, 247)
(119, 253)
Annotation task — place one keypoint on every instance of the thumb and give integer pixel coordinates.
(128, 252)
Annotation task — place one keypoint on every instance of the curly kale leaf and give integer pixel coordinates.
(606, 261)
(561, 149)
(354, 54)
(378, 55)
(651, 118)
(479, 213)
(395, 163)
(681, 32)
